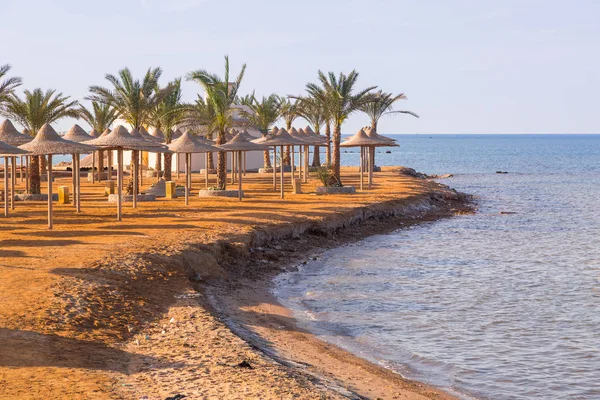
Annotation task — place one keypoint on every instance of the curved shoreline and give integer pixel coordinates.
(253, 312)
(97, 309)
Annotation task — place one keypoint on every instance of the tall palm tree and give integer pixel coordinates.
(337, 96)
(245, 100)
(133, 99)
(289, 112)
(220, 96)
(100, 117)
(166, 115)
(262, 115)
(32, 112)
(312, 111)
(200, 117)
(8, 85)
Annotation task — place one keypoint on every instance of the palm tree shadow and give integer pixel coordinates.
(22, 349)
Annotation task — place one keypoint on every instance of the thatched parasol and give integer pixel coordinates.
(78, 135)
(119, 139)
(188, 144)
(6, 151)
(47, 142)
(239, 144)
(281, 138)
(10, 136)
(158, 134)
(372, 133)
(94, 134)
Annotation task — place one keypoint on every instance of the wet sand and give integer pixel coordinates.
(98, 309)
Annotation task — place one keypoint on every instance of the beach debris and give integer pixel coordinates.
(172, 320)
(176, 397)
(244, 364)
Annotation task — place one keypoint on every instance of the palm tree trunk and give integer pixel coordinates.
(374, 128)
(267, 159)
(287, 160)
(100, 165)
(34, 175)
(328, 149)
(43, 165)
(316, 157)
(168, 163)
(157, 166)
(221, 164)
(211, 161)
(135, 155)
(337, 138)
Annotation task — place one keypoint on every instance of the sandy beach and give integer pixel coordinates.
(175, 299)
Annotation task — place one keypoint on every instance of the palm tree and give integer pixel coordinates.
(246, 100)
(166, 115)
(337, 96)
(199, 116)
(381, 104)
(311, 110)
(220, 96)
(32, 112)
(100, 117)
(133, 99)
(8, 85)
(289, 112)
(262, 115)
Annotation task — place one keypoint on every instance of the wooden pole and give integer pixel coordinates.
(119, 181)
(135, 177)
(206, 169)
(27, 174)
(78, 182)
(187, 179)
(21, 169)
(93, 167)
(244, 163)
(177, 165)
(275, 168)
(361, 167)
(371, 151)
(74, 181)
(240, 175)
(292, 159)
(306, 161)
(6, 188)
(281, 172)
(49, 168)
(13, 182)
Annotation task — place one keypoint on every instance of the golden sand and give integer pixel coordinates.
(98, 309)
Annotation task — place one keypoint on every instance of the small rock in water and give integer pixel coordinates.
(176, 397)
(388, 152)
(501, 172)
(244, 364)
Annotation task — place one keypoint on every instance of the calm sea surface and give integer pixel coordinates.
(487, 306)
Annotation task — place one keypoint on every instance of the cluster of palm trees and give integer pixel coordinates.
(144, 103)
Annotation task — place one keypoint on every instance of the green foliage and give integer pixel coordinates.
(37, 108)
(264, 113)
(100, 117)
(379, 104)
(289, 111)
(220, 95)
(313, 111)
(133, 99)
(168, 111)
(8, 85)
(326, 176)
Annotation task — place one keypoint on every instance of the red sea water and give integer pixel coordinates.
(487, 306)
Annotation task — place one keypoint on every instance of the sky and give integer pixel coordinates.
(466, 66)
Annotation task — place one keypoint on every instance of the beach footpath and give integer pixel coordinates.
(175, 301)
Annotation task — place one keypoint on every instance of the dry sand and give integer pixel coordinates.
(97, 309)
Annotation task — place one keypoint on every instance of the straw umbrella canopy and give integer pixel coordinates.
(78, 135)
(158, 134)
(6, 151)
(119, 139)
(372, 133)
(239, 144)
(47, 142)
(147, 136)
(94, 134)
(12, 137)
(362, 140)
(188, 144)
(281, 138)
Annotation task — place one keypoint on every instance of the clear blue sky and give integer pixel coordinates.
(467, 66)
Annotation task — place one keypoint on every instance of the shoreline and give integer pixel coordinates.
(97, 309)
(253, 312)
